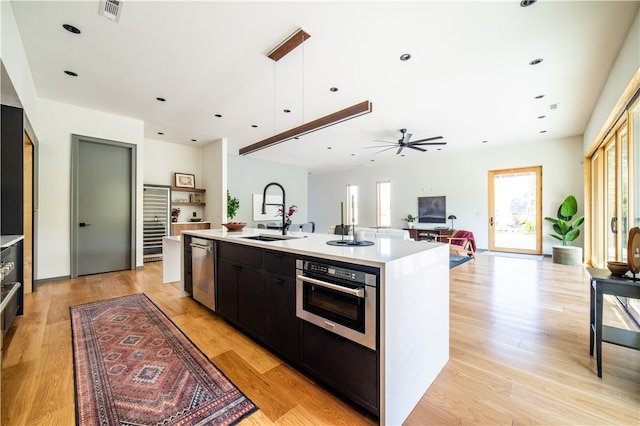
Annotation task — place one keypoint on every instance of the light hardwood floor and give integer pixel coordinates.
(519, 353)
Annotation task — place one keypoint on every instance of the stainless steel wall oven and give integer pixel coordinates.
(341, 300)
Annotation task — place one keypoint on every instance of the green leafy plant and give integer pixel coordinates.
(566, 230)
(410, 218)
(233, 204)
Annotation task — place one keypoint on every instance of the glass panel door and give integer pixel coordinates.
(515, 210)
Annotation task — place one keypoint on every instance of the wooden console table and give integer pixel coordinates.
(429, 234)
(603, 282)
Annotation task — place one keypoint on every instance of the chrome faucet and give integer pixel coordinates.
(265, 204)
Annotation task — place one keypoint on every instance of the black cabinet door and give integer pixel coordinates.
(348, 367)
(227, 290)
(282, 327)
(251, 307)
(187, 276)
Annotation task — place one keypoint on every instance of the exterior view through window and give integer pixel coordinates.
(384, 204)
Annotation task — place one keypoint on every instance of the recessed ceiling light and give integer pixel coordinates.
(329, 147)
(484, 141)
(286, 111)
(541, 116)
(71, 73)
(536, 61)
(71, 28)
(160, 133)
(219, 115)
(254, 125)
(543, 131)
(194, 140)
(405, 57)
(333, 89)
(527, 3)
(539, 96)
(161, 99)
(353, 155)
(372, 160)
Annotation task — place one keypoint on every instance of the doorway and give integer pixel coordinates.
(515, 210)
(103, 206)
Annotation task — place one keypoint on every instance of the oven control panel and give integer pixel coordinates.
(320, 270)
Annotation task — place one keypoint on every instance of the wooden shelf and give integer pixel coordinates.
(173, 188)
(181, 203)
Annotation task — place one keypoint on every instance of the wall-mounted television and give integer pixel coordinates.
(432, 209)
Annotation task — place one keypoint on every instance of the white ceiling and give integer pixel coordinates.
(469, 78)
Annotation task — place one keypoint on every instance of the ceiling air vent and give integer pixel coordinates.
(111, 9)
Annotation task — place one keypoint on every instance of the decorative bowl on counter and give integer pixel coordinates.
(618, 268)
(235, 226)
(195, 219)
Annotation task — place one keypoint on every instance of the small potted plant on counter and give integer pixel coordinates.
(566, 231)
(410, 220)
(233, 204)
(175, 212)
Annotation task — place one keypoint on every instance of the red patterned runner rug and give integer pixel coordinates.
(133, 366)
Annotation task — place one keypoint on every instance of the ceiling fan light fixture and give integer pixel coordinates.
(362, 108)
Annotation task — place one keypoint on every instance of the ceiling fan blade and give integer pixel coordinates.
(389, 142)
(386, 149)
(427, 143)
(417, 148)
(428, 139)
(400, 149)
(406, 138)
(383, 146)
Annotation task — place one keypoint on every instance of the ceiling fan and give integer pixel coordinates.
(404, 142)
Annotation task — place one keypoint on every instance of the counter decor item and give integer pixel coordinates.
(175, 212)
(173, 369)
(287, 217)
(234, 226)
(566, 231)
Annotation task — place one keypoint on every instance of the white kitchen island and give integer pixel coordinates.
(413, 296)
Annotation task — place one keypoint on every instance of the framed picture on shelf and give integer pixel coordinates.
(185, 180)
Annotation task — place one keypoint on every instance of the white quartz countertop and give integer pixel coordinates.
(8, 240)
(383, 251)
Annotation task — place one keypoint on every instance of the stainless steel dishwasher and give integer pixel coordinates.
(203, 271)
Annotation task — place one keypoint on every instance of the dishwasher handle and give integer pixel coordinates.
(206, 248)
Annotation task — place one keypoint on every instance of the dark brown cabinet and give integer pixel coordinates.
(430, 234)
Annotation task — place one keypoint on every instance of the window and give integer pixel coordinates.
(352, 205)
(384, 204)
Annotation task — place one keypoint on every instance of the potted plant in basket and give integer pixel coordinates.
(566, 231)
(410, 220)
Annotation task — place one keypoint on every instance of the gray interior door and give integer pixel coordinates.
(102, 219)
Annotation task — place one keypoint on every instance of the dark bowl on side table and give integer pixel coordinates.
(618, 268)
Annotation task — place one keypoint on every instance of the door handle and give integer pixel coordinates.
(613, 225)
(83, 225)
(491, 221)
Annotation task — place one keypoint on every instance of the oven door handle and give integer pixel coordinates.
(358, 292)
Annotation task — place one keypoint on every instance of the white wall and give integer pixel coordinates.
(461, 177)
(247, 176)
(58, 122)
(626, 64)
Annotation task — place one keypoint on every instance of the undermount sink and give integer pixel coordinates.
(265, 237)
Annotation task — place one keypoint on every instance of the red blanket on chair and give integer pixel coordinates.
(463, 234)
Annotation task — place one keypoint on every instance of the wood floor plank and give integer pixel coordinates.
(519, 353)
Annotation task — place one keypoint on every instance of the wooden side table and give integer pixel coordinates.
(603, 282)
